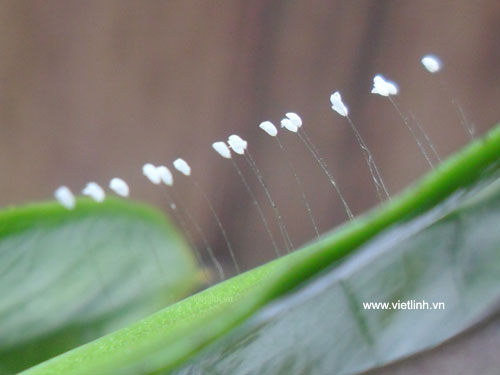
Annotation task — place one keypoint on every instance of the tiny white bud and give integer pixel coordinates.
(150, 171)
(119, 186)
(165, 175)
(222, 149)
(432, 63)
(337, 104)
(294, 118)
(173, 206)
(237, 144)
(379, 86)
(65, 197)
(182, 166)
(269, 128)
(289, 125)
(383, 87)
(94, 191)
(392, 87)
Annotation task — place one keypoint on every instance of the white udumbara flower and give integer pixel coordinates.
(165, 175)
(289, 125)
(383, 87)
(237, 144)
(269, 128)
(392, 87)
(294, 118)
(65, 197)
(432, 63)
(94, 191)
(151, 172)
(119, 186)
(222, 149)
(338, 105)
(182, 166)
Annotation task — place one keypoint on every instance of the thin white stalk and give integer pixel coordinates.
(284, 232)
(177, 215)
(219, 224)
(467, 125)
(257, 205)
(370, 161)
(161, 174)
(299, 184)
(210, 252)
(312, 149)
(411, 130)
(339, 107)
(426, 136)
(433, 65)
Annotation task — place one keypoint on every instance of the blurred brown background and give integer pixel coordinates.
(93, 89)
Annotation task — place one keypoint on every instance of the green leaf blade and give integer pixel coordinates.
(450, 255)
(68, 277)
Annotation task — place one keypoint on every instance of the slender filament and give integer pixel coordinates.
(467, 125)
(299, 184)
(257, 205)
(370, 161)
(284, 232)
(219, 224)
(178, 217)
(210, 252)
(412, 131)
(426, 136)
(312, 149)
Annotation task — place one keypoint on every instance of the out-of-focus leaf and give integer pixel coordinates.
(68, 277)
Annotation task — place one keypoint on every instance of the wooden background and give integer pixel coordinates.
(93, 89)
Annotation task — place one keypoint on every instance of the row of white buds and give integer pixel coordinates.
(383, 87)
(93, 190)
(291, 122)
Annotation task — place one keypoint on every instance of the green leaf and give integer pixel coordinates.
(68, 277)
(450, 255)
(174, 335)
